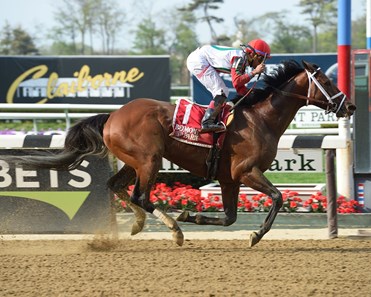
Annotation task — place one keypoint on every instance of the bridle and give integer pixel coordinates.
(331, 106)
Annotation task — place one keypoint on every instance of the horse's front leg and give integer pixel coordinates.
(230, 199)
(256, 180)
(146, 177)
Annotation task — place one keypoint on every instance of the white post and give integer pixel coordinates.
(344, 162)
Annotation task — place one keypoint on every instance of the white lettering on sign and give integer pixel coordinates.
(85, 177)
(5, 177)
(29, 178)
(23, 178)
(54, 179)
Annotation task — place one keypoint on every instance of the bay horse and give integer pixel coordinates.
(138, 135)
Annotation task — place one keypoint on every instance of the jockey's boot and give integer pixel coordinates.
(209, 121)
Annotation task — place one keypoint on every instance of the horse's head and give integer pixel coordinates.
(321, 88)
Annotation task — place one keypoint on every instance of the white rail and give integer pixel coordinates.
(67, 111)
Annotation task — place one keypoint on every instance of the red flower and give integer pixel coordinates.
(256, 198)
(267, 203)
(182, 196)
(315, 206)
(293, 204)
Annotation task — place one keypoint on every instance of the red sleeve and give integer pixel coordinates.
(239, 78)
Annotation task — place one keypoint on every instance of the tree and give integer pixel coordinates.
(16, 41)
(320, 12)
(76, 17)
(110, 22)
(148, 39)
(359, 32)
(84, 20)
(245, 30)
(183, 41)
(6, 40)
(327, 38)
(66, 29)
(287, 38)
(206, 5)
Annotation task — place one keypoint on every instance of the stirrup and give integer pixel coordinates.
(216, 128)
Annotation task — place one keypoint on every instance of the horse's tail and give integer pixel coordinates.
(83, 139)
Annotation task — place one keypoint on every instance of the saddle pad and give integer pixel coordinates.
(187, 123)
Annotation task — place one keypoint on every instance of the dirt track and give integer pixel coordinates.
(339, 267)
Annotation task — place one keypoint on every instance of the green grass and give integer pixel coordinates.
(296, 178)
(28, 125)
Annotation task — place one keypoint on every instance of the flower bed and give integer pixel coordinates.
(184, 197)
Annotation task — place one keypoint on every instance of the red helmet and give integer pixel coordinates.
(260, 47)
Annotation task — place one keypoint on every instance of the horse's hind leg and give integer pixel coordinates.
(118, 184)
(230, 199)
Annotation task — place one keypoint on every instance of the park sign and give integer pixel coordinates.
(286, 161)
(83, 79)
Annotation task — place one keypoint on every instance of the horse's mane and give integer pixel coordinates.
(280, 75)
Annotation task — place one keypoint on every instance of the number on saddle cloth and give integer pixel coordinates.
(187, 123)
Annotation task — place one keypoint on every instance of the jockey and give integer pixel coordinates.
(207, 61)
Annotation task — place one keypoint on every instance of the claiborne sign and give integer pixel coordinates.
(83, 80)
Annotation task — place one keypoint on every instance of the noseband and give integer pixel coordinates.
(332, 106)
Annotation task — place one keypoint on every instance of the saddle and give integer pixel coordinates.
(187, 124)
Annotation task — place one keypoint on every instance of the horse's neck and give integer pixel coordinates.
(282, 109)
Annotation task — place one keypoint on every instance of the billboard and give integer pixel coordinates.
(325, 61)
(83, 79)
(49, 201)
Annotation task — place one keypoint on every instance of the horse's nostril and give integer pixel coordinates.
(352, 107)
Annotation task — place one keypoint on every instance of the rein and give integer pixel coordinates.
(298, 96)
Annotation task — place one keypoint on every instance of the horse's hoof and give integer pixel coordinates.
(137, 227)
(178, 237)
(183, 216)
(254, 239)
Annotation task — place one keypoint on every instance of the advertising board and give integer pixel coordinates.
(83, 79)
(49, 201)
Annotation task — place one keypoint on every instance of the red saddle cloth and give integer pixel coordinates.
(187, 124)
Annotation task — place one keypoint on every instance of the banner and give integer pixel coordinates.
(83, 79)
(49, 201)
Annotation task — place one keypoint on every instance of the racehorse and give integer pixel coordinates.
(138, 135)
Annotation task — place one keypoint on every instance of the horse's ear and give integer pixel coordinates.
(307, 65)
